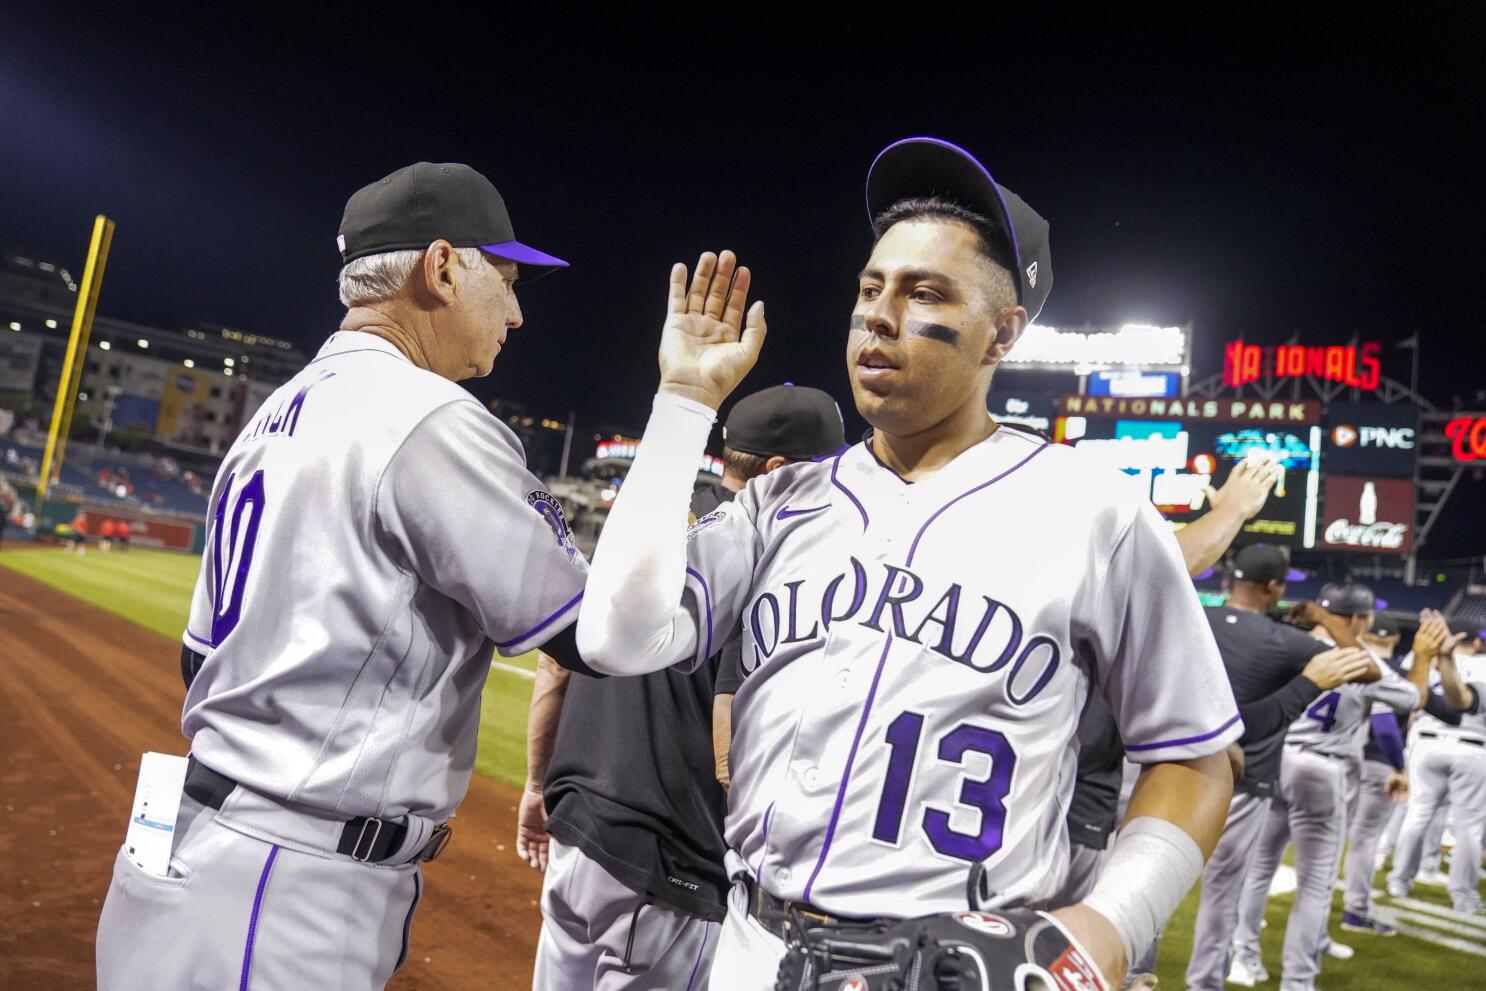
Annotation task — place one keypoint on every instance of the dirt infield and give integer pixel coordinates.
(82, 694)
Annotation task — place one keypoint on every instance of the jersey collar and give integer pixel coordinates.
(346, 341)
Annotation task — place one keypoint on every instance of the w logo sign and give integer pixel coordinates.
(233, 537)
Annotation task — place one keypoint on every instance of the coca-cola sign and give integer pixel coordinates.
(1369, 515)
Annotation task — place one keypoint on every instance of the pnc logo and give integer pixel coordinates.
(1344, 436)
(855, 983)
(1393, 438)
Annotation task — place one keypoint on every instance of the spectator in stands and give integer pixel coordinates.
(106, 531)
(7, 506)
(125, 532)
(80, 534)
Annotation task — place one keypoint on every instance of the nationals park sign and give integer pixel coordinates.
(1298, 412)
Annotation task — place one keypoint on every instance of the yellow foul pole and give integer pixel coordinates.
(76, 358)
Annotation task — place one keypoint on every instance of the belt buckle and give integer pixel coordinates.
(371, 844)
(442, 834)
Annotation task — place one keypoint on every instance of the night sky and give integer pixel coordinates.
(1261, 177)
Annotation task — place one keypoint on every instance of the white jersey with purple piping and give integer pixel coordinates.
(372, 531)
(917, 657)
(1336, 723)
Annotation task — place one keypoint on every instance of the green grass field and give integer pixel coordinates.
(153, 589)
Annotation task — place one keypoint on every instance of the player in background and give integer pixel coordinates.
(1383, 788)
(1093, 813)
(125, 531)
(623, 781)
(1265, 660)
(79, 536)
(107, 530)
(923, 610)
(374, 529)
(1319, 775)
(1446, 759)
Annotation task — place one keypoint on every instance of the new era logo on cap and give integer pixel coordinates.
(1032, 274)
(1344, 436)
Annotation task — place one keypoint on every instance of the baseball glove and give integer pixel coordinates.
(1010, 950)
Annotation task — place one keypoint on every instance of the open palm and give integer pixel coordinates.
(706, 345)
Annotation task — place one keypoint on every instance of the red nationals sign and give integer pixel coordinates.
(1467, 436)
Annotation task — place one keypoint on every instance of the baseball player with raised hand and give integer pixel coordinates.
(925, 615)
(1319, 775)
(624, 780)
(1445, 758)
(373, 532)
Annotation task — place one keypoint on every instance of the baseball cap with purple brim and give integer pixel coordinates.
(916, 167)
(419, 204)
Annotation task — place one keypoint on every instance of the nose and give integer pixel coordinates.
(880, 319)
(513, 315)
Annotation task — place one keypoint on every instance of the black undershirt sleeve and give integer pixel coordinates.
(1271, 714)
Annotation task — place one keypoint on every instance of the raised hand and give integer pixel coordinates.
(1434, 639)
(706, 345)
(1247, 488)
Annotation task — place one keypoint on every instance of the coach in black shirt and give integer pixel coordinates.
(1275, 670)
(635, 881)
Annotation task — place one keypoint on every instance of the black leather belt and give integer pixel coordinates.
(1469, 741)
(774, 913)
(365, 838)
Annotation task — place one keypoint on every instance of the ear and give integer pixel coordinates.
(1008, 325)
(439, 263)
(777, 461)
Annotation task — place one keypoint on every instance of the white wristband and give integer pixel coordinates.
(1153, 866)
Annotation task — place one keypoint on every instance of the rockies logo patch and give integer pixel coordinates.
(550, 510)
(706, 523)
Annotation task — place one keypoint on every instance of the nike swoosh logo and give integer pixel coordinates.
(786, 512)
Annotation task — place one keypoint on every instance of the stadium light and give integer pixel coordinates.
(51, 325)
(15, 325)
(189, 363)
(1131, 344)
(82, 397)
(228, 362)
(227, 372)
(143, 343)
(104, 345)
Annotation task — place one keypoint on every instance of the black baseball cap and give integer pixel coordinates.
(791, 421)
(419, 204)
(1261, 564)
(1346, 599)
(931, 167)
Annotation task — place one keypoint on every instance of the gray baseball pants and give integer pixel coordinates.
(599, 933)
(1373, 812)
(1310, 809)
(1222, 883)
(252, 912)
(1436, 768)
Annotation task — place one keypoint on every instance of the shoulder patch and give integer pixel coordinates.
(707, 522)
(550, 510)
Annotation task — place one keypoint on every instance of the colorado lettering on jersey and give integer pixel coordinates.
(284, 418)
(901, 604)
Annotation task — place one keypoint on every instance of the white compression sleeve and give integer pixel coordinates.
(627, 623)
(1153, 866)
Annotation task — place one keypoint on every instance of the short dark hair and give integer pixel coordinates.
(743, 464)
(993, 243)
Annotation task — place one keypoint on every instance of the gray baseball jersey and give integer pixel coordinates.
(917, 657)
(372, 530)
(1336, 723)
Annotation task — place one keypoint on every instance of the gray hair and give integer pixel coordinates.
(375, 278)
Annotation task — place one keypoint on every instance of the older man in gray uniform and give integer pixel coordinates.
(373, 533)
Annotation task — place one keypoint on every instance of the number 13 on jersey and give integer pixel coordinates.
(986, 795)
